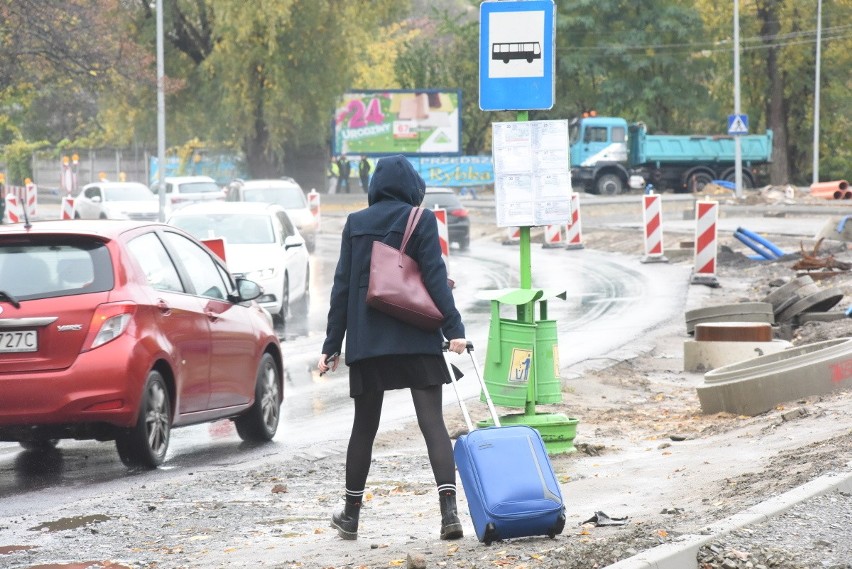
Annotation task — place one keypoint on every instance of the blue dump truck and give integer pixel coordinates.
(608, 156)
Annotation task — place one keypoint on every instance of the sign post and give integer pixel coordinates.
(532, 187)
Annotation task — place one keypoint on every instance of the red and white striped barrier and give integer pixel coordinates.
(513, 236)
(14, 212)
(314, 205)
(573, 231)
(66, 211)
(706, 215)
(552, 237)
(652, 215)
(443, 236)
(31, 199)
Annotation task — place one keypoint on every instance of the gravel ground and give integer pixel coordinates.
(644, 451)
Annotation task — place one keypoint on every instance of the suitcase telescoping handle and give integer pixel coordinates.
(482, 386)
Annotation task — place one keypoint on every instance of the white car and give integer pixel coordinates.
(116, 200)
(181, 190)
(284, 192)
(261, 244)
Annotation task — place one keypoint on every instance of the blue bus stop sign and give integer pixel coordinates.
(516, 55)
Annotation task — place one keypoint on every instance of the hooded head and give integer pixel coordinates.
(396, 179)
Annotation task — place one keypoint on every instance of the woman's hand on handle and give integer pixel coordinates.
(459, 345)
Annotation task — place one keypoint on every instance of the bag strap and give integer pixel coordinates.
(413, 218)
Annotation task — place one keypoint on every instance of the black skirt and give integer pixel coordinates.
(383, 373)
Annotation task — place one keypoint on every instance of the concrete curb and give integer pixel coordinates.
(683, 553)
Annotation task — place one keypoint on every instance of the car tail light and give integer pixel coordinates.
(108, 323)
(460, 212)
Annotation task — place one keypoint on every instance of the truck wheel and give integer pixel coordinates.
(696, 182)
(748, 182)
(610, 185)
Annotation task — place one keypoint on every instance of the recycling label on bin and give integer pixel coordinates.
(519, 371)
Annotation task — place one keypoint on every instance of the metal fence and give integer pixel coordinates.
(50, 172)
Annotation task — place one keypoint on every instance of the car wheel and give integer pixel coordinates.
(260, 422)
(76, 215)
(146, 443)
(464, 243)
(311, 244)
(40, 445)
(281, 316)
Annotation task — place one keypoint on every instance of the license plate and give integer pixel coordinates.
(19, 341)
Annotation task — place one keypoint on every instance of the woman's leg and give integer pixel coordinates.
(365, 425)
(430, 417)
(368, 411)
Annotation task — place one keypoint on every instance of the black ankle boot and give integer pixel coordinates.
(450, 525)
(346, 522)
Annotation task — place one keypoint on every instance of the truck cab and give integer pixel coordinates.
(599, 154)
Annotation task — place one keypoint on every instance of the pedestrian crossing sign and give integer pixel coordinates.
(737, 124)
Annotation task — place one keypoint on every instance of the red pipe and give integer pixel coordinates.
(838, 189)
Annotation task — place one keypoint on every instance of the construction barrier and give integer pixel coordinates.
(706, 216)
(573, 232)
(14, 211)
(66, 210)
(443, 236)
(513, 237)
(837, 190)
(552, 237)
(27, 196)
(314, 205)
(652, 215)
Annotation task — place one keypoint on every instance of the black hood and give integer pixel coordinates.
(396, 179)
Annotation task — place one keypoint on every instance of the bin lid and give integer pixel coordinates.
(519, 296)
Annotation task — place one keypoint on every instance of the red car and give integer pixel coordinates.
(122, 330)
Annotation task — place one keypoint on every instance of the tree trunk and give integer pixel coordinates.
(307, 165)
(779, 170)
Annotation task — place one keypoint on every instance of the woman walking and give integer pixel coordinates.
(384, 353)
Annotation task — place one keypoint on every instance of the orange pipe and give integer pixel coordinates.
(835, 190)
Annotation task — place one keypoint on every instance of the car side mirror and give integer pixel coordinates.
(248, 290)
(293, 241)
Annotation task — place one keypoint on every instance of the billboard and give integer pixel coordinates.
(410, 122)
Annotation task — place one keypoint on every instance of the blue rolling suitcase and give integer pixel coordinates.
(507, 477)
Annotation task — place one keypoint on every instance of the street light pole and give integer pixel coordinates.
(161, 115)
(816, 92)
(738, 153)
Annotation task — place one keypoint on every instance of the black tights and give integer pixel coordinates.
(430, 418)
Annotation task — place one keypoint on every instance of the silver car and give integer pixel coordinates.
(116, 200)
(261, 244)
(285, 192)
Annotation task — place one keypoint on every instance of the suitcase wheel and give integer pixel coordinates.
(558, 527)
(490, 534)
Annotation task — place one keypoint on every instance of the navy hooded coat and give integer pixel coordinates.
(394, 189)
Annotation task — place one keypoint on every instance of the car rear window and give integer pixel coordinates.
(288, 198)
(445, 201)
(234, 228)
(48, 268)
(198, 188)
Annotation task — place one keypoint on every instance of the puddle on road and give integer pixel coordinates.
(74, 522)
(7, 549)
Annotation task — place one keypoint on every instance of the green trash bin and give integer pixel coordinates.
(509, 361)
(522, 361)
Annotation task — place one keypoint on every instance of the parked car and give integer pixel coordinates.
(116, 200)
(458, 222)
(261, 244)
(187, 189)
(284, 192)
(122, 330)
